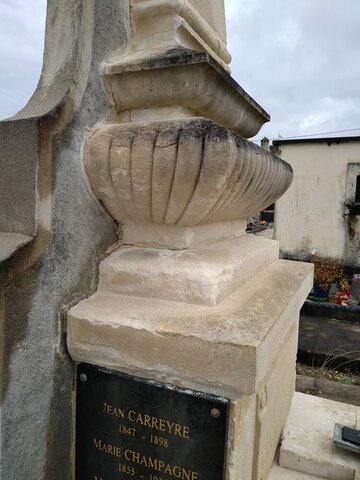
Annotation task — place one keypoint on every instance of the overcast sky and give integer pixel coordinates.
(300, 59)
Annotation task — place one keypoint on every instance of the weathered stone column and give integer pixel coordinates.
(52, 234)
(189, 299)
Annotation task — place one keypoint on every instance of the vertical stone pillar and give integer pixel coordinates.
(161, 25)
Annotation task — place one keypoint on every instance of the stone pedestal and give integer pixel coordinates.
(190, 299)
(220, 319)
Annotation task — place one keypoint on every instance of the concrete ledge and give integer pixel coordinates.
(308, 446)
(322, 387)
(279, 473)
(349, 313)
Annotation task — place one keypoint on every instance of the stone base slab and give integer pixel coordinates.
(228, 346)
(279, 473)
(308, 446)
(203, 276)
(243, 348)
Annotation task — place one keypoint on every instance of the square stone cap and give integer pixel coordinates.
(188, 78)
(203, 276)
(231, 345)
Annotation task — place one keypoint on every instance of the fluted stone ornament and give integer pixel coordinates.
(187, 172)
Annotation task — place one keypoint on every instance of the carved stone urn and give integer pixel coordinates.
(177, 174)
(174, 161)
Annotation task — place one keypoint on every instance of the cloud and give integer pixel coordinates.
(299, 60)
(331, 112)
(22, 26)
(290, 35)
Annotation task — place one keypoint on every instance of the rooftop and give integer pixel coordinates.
(328, 140)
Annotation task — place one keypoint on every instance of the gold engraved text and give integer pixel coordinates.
(115, 411)
(127, 430)
(163, 442)
(107, 448)
(159, 424)
(159, 465)
(126, 469)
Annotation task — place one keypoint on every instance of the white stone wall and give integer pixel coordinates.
(311, 215)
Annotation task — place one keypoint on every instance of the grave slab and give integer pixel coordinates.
(279, 473)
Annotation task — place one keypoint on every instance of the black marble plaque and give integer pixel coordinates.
(131, 428)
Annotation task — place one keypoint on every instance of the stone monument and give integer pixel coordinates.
(189, 299)
(137, 127)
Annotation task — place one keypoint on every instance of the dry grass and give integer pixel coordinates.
(347, 377)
